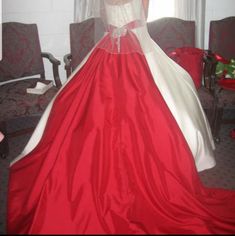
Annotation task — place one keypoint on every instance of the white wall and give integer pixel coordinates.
(52, 17)
(216, 10)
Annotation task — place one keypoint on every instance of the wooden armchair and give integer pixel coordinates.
(20, 68)
(172, 33)
(83, 37)
(222, 42)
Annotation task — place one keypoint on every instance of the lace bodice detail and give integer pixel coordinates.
(119, 14)
(125, 24)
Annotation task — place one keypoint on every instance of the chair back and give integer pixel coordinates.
(21, 51)
(222, 37)
(171, 33)
(83, 37)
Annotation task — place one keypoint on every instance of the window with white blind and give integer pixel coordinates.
(161, 8)
(184, 9)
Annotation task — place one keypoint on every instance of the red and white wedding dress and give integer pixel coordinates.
(115, 151)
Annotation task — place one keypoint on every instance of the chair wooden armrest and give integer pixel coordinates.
(67, 62)
(55, 65)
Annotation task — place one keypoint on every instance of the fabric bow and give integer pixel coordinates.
(118, 32)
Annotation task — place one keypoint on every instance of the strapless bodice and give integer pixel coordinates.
(121, 14)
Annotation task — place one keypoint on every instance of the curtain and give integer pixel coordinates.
(160, 8)
(83, 9)
(184, 9)
(193, 10)
(157, 9)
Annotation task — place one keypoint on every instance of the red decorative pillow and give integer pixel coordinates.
(191, 59)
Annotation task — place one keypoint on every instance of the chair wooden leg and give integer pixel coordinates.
(210, 114)
(217, 123)
(4, 148)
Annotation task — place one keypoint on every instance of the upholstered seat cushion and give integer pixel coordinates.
(16, 102)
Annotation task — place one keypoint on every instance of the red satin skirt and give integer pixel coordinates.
(112, 160)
